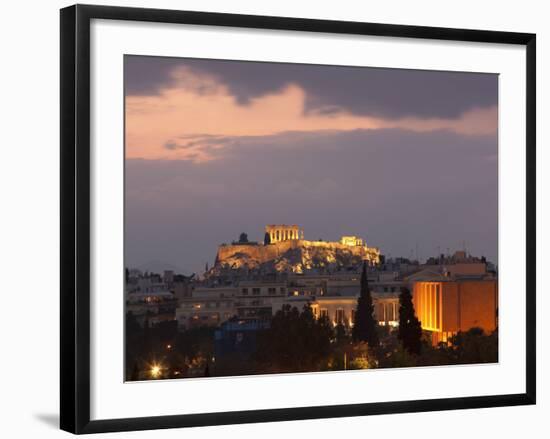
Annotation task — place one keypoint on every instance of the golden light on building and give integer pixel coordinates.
(352, 241)
(449, 306)
(283, 232)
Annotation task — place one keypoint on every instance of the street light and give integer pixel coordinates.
(155, 370)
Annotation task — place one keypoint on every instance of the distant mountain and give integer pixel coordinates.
(160, 266)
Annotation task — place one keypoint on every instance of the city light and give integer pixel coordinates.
(155, 370)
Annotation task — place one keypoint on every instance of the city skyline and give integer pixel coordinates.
(405, 159)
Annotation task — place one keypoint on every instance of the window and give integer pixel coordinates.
(381, 312)
(283, 290)
(340, 316)
(272, 290)
(324, 312)
(245, 291)
(256, 291)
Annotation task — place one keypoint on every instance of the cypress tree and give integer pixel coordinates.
(410, 329)
(364, 327)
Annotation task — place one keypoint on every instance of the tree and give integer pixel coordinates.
(341, 334)
(410, 329)
(243, 238)
(267, 239)
(474, 346)
(295, 342)
(365, 327)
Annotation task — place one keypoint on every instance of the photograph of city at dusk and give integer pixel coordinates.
(290, 218)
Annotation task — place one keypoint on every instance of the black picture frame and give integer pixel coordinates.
(75, 217)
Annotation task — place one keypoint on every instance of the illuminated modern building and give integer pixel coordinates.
(448, 305)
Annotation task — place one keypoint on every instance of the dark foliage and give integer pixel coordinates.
(295, 342)
(410, 329)
(365, 327)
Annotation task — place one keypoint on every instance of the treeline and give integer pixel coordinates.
(297, 341)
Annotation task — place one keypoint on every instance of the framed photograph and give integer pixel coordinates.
(268, 219)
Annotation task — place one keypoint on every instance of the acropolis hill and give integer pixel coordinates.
(286, 250)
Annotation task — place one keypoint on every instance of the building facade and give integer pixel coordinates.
(447, 306)
(283, 232)
(260, 299)
(352, 241)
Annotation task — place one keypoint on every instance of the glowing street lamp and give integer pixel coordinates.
(155, 370)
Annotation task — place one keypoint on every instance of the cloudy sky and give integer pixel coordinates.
(216, 148)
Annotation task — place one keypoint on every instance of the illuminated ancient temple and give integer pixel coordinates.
(283, 232)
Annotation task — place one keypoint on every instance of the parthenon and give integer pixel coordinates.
(283, 232)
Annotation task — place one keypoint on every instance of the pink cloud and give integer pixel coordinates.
(182, 121)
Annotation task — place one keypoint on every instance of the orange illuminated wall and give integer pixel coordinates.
(447, 307)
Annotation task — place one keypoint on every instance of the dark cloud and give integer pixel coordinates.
(363, 91)
(206, 143)
(396, 188)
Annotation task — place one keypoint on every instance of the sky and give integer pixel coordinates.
(406, 159)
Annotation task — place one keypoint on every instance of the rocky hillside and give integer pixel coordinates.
(292, 256)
